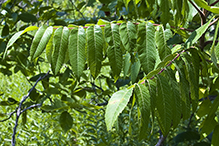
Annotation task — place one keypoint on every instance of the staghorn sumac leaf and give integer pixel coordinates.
(215, 139)
(175, 95)
(192, 69)
(114, 51)
(183, 89)
(194, 37)
(14, 38)
(38, 47)
(60, 44)
(135, 68)
(204, 4)
(128, 35)
(143, 101)
(164, 104)
(76, 48)
(116, 105)
(161, 39)
(146, 46)
(94, 49)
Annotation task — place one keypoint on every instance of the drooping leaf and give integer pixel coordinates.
(126, 64)
(116, 105)
(17, 35)
(194, 37)
(94, 49)
(204, 4)
(38, 47)
(161, 39)
(175, 95)
(193, 77)
(128, 35)
(76, 48)
(164, 104)
(49, 49)
(184, 89)
(65, 121)
(60, 44)
(213, 52)
(114, 51)
(146, 46)
(143, 100)
(135, 68)
(165, 9)
(215, 139)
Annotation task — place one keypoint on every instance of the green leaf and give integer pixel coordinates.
(215, 139)
(39, 44)
(135, 68)
(165, 9)
(36, 40)
(146, 46)
(161, 39)
(17, 35)
(204, 4)
(213, 54)
(143, 100)
(116, 105)
(60, 44)
(76, 50)
(114, 51)
(27, 17)
(192, 68)
(65, 121)
(126, 2)
(175, 95)
(128, 35)
(49, 49)
(184, 89)
(164, 104)
(94, 49)
(126, 64)
(194, 37)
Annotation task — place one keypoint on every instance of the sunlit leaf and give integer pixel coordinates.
(116, 105)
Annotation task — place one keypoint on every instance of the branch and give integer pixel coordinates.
(214, 3)
(10, 114)
(202, 15)
(19, 111)
(168, 64)
(161, 140)
(78, 10)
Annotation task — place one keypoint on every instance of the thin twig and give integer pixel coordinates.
(169, 63)
(32, 106)
(202, 15)
(19, 111)
(10, 114)
(214, 3)
(161, 140)
(78, 10)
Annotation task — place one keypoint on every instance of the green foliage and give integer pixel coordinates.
(123, 71)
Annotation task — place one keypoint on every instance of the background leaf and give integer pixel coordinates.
(65, 121)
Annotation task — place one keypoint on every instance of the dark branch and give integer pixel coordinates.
(19, 111)
(78, 10)
(161, 140)
(214, 3)
(10, 115)
(202, 15)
